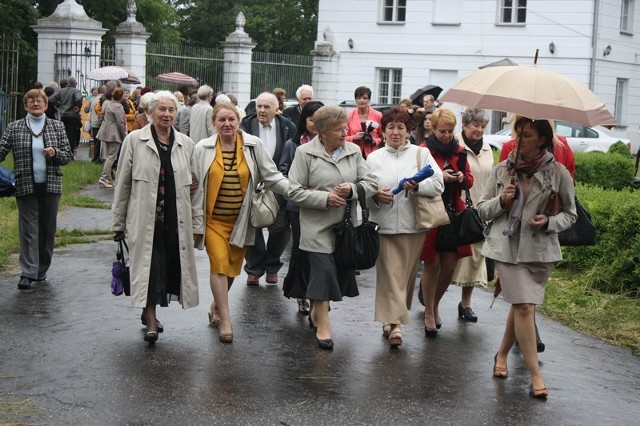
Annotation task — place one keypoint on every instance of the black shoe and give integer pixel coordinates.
(151, 337)
(325, 344)
(144, 322)
(430, 332)
(466, 314)
(24, 283)
(438, 324)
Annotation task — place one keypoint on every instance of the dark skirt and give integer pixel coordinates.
(164, 276)
(297, 279)
(326, 281)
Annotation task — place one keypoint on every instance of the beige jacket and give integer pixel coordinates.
(529, 245)
(134, 209)
(243, 233)
(313, 175)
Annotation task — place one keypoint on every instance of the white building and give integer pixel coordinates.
(396, 46)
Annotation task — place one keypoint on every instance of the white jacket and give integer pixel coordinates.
(390, 166)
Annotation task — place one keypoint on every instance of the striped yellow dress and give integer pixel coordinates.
(227, 185)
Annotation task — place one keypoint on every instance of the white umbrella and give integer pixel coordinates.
(112, 72)
(531, 92)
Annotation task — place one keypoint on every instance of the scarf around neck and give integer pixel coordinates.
(445, 149)
(543, 163)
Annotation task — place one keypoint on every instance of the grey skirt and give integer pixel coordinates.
(523, 282)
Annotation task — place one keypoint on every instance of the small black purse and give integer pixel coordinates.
(465, 227)
(356, 246)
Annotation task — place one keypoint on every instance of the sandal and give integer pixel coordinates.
(395, 337)
(386, 329)
(499, 372)
(542, 393)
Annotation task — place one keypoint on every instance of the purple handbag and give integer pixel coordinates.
(120, 280)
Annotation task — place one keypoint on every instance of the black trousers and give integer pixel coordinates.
(72, 126)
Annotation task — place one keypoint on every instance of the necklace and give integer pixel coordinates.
(35, 135)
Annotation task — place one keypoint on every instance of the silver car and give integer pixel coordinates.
(581, 138)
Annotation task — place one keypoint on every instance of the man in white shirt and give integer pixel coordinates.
(274, 130)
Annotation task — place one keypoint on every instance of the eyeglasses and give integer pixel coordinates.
(35, 101)
(342, 130)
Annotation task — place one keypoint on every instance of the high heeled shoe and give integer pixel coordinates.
(386, 329)
(395, 338)
(326, 344)
(144, 322)
(499, 372)
(303, 307)
(151, 337)
(541, 393)
(213, 322)
(438, 324)
(430, 332)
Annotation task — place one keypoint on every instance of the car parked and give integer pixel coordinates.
(580, 138)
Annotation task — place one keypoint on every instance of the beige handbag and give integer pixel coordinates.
(430, 212)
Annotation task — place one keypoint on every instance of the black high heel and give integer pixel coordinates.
(144, 322)
(430, 332)
(326, 344)
(151, 337)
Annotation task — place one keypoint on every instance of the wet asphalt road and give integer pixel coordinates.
(73, 354)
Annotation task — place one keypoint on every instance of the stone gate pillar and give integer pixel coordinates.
(325, 71)
(131, 41)
(237, 62)
(67, 25)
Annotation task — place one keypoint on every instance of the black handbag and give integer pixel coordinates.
(465, 227)
(356, 246)
(582, 232)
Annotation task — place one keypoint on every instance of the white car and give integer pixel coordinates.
(581, 138)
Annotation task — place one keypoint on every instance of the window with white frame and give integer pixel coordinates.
(393, 10)
(389, 85)
(621, 91)
(513, 12)
(626, 16)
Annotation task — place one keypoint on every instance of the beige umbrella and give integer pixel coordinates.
(531, 92)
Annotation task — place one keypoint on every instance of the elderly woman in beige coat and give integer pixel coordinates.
(471, 271)
(231, 163)
(153, 203)
(323, 175)
(522, 236)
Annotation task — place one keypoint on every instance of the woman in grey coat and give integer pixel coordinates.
(154, 204)
(323, 179)
(522, 235)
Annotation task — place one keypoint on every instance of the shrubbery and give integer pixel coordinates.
(613, 264)
(620, 148)
(610, 171)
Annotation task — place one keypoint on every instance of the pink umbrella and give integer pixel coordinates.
(177, 78)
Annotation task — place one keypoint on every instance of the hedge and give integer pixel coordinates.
(610, 171)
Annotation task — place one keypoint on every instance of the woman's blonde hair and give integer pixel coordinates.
(328, 115)
(444, 116)
(224, 105)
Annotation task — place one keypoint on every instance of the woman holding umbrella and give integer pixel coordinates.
(522, 235)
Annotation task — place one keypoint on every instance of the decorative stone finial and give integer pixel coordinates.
(131, 11)
(240, 21)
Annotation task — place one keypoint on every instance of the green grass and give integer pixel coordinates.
(76, 175)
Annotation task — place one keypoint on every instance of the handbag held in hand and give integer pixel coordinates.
(356, 246)
(120, 279)
(264, 205)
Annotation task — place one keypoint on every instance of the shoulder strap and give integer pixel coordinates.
(363, 202)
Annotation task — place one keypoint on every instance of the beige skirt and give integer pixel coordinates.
(523, 282)
(396, 271)
(471, 271)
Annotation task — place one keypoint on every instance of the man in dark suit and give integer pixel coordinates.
(304, 94)
(68, 100)
(274, 130)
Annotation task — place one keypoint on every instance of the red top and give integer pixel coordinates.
(561, 151)
(354, 125)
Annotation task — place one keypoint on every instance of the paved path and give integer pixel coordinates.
(73, 354)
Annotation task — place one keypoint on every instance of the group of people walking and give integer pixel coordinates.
(174, 193)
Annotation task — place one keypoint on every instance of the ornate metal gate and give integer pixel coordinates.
(9, 95)
(77, 58)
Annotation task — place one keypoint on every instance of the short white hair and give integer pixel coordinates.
(304, 87)
(222, 98)
(145, 100)
(273, 100)
(159, 95)
(205, 91)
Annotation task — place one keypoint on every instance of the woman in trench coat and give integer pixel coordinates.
(153, 203)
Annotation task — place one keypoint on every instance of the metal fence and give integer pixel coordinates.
(271, 70)
(77, 58)
(9, 72)
(204, 64)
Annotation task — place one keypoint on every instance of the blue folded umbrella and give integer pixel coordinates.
(424, 173)
(7, 182)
